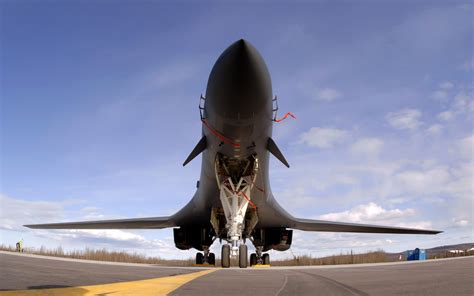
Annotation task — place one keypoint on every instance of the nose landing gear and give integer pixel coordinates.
(235, 179)
(226, 254)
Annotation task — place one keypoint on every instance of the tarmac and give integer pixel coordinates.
(24, 274)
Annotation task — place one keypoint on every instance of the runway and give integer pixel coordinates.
(37, 275)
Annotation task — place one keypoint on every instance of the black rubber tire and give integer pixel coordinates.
(225, 256)
(243, 256)
(253, 259)
(199, 258)
(266, 259)
(211, 259)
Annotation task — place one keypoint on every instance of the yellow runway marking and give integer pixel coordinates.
(260, 266)
(204, 265)
(157, 286)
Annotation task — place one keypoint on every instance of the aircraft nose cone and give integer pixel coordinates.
(239, 85)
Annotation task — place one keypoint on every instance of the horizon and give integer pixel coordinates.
(101, 254)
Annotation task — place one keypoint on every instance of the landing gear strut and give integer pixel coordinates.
(235, 181)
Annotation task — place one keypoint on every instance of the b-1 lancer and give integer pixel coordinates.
(233, 201)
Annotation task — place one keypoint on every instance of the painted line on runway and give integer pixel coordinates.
(156, 286)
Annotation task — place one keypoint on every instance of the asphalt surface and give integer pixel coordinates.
(435, 277)
(21, 272)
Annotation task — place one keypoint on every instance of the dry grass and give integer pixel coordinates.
(103, 255)
(446, 254)
(122, 256)
(349, 258)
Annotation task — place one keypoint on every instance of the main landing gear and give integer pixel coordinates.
(207, 257)
(259, 258)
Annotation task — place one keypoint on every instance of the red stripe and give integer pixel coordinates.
(260, 189)
(250, 202)
(220, 136)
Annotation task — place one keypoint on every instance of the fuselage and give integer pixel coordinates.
(237, 121)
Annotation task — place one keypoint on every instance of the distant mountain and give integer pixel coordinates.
(432, 252)
(466, 246)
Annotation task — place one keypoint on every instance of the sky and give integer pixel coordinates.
(99, 108)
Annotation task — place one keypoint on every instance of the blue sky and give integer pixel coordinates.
(99, 110)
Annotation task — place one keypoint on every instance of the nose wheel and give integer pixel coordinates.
(225, 256)
(243, 256)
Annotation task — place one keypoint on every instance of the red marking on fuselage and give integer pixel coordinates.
(220, 136)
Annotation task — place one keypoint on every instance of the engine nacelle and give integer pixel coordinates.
(273, 238)
(192, 237)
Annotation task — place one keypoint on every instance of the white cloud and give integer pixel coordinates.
(404, 119)
(328, 94)
(418, 224)
(91, 213)
(110, 234)
(15, 213)
(310, 89)
(434, 129)
(440, 95)
(367, 146)
(423, 181)
(461, 104)
(461, 101)
(466, 147)
(460, 222)
(112, 239)
(446, 85)
(370, 212)
(446, 115)
(320, 137)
